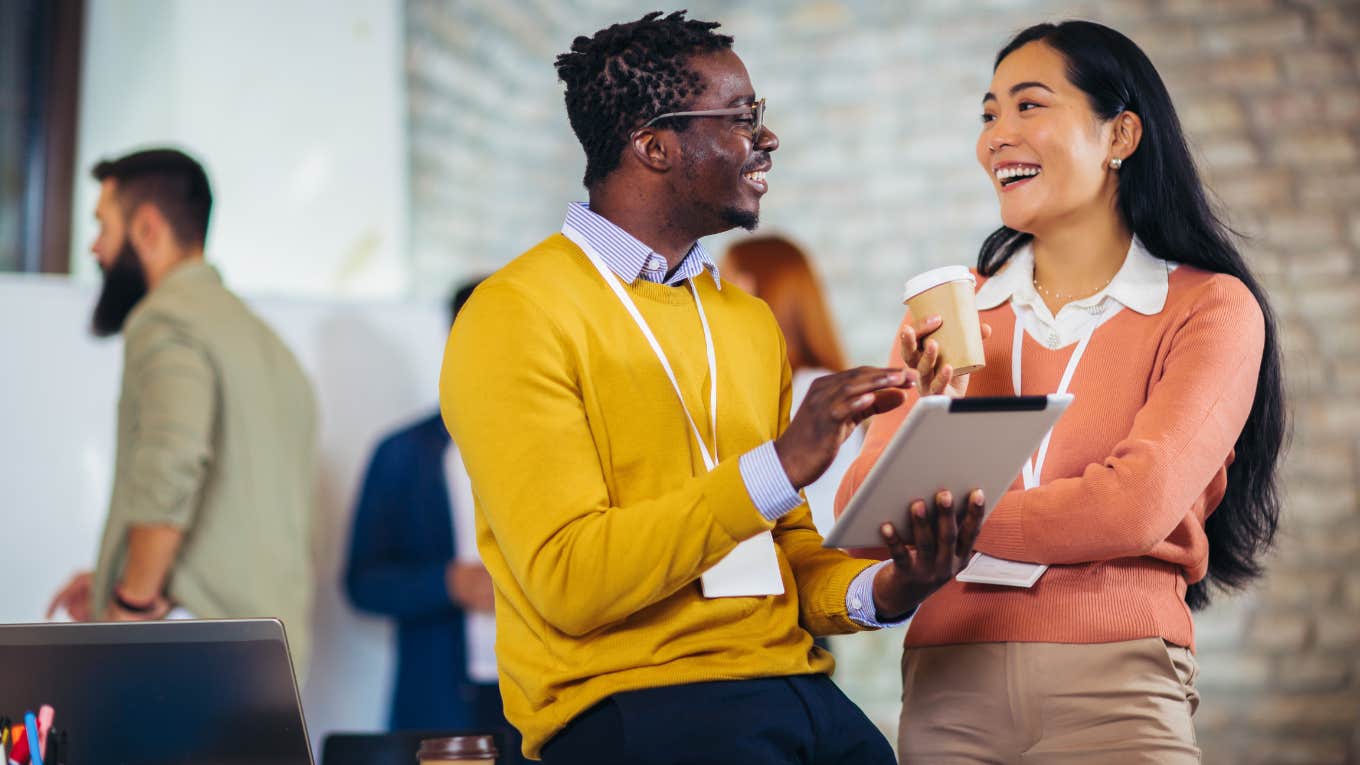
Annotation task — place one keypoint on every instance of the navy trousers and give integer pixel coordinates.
(798, 720)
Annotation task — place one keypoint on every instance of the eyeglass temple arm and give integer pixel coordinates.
(704, 113)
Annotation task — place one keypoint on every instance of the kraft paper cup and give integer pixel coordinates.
(948, 291)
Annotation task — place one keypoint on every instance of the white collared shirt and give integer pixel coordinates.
(1140, 285)
(479, 628)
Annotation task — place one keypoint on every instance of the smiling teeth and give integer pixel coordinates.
(1015, 172)
(759, 175)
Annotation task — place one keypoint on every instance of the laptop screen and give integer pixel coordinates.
(159, 693)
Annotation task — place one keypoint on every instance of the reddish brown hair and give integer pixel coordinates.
(784, 279)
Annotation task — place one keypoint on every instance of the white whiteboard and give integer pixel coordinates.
(374, 366)
(297, 110)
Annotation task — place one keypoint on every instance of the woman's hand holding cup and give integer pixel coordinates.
(943, 298)
(922, 353)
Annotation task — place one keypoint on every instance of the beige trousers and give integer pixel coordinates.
(1013, 703)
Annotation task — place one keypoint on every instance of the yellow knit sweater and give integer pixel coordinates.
(595, 514)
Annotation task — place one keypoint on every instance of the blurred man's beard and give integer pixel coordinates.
(124, 287)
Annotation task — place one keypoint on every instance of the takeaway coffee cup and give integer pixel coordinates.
(948, 291)
(458, 750)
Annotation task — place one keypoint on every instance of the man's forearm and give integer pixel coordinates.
(151, 554)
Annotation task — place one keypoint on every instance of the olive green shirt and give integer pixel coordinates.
(216, 434)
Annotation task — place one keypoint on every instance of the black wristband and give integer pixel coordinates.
(123, 603)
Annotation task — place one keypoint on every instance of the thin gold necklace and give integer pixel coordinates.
(1067, 297)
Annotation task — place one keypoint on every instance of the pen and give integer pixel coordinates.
(4, 740)
(45, 715)
(52, 753)
(31, 728)
(18, 748)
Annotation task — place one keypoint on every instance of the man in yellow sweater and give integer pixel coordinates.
(623, 415)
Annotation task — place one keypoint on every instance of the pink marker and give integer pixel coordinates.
(45, 715)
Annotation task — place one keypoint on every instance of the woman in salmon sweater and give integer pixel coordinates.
(1111, 278)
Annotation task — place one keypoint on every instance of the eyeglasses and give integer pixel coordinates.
(757, 109)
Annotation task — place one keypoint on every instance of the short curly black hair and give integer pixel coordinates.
(627, 73)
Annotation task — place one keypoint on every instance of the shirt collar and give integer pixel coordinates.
(1141, 283)
(191, 270)
(629, 258)
(189, 275)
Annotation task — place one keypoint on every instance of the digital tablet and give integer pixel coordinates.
(959, 444)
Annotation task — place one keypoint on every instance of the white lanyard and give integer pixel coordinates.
(1034, 468)
(710, 459)
(751, 569)
(983, 568)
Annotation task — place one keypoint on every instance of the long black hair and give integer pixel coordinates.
(1162, 201)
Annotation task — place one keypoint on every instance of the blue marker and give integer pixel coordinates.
(31, 730)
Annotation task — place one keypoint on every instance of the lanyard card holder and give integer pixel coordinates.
(751, 569)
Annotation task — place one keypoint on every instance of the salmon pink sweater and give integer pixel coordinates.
(1133, 469)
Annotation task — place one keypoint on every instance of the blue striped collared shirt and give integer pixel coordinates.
(766, 481)
(629, 258)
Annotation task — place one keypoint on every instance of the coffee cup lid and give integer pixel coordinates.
(934, 278)
(475, 747)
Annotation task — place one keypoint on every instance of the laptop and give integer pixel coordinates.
(210, 692)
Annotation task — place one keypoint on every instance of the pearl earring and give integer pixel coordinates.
(1116, 163)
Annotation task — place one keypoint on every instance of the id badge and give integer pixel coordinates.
(750, 570)
(984, 569)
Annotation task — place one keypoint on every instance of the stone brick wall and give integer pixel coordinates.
(876, 106)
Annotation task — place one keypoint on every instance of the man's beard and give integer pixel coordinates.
(124, 288)
(744, 218)
(732, 217)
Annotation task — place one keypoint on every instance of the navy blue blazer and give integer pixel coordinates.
(401, 544)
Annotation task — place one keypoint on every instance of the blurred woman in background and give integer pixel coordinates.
(775, 270)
